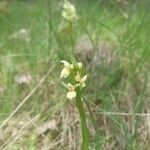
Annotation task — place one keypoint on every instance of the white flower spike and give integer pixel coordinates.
(72, 93)
(77, 81)
(66, 70)
(69, 11)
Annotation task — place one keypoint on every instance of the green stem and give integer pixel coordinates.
(84, 128)
(95, 125)
(71, 35)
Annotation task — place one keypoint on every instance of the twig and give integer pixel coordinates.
(123, 114)
(103, 112)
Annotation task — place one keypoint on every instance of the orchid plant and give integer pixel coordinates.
(73, 76)
(74, 80)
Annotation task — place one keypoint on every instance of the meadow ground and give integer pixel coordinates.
(111, 39)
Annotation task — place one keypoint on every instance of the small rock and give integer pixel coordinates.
(22, 34)
(23, 79)
(85, 50)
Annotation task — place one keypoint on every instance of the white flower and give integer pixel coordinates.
(81, 80)
(66, 70)
(64, 73)
(69, 11)
(72, 93)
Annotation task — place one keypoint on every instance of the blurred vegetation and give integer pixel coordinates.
(111, 38)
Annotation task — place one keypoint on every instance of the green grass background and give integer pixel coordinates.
(120, 87)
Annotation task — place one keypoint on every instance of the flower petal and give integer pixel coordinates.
(71, 95)
(65, 63)
(64, 73)
(83, 79)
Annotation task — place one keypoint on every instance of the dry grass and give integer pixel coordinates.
(115, 52)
